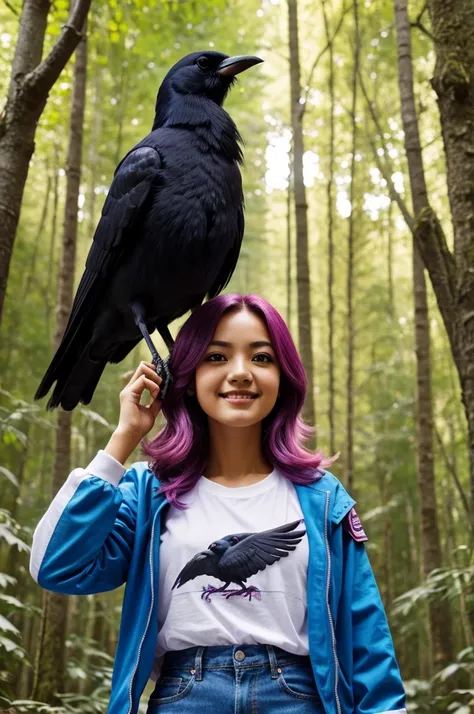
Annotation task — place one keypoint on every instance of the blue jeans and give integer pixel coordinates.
(235, 679)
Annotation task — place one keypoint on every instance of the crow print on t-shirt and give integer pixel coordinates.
(236, 557)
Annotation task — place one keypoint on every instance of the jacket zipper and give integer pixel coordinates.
(331, 623)
(152, 584)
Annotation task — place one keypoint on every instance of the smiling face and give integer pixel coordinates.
(238, 378)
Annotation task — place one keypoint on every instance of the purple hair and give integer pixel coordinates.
(178, 454)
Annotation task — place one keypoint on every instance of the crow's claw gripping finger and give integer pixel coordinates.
(162, 368)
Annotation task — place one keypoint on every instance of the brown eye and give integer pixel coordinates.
(214, 357)
(262, 357)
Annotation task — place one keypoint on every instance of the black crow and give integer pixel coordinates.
(235, 558)
(170, 231)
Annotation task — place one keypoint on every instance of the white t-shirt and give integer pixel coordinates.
(273, 609)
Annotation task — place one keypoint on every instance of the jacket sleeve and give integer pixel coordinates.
(84, 542)
(377, 683)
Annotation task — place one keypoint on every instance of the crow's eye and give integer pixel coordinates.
(235, 539)
(203, 63)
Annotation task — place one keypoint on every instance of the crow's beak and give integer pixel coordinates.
(235, 65)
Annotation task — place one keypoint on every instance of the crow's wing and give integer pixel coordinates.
(259, 550)
(228, 267)
(203, 563)
(123, 208)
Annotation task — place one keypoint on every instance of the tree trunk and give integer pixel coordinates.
(122, 92)
(421, 641)
(288, 250)
(453, 82)
(50, 669)
(439, 612)
(391, 298)
(51, 288)
(93, 153)
(330, 219)
(350, 326)
(27, 95)
(301, 218)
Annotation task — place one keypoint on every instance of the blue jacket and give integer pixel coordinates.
(103, 529)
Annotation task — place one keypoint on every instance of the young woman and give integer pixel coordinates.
(247, 577)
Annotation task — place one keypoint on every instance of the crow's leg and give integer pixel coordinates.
(210, 590)
(161, 365)
(246, 591)
(166, 336)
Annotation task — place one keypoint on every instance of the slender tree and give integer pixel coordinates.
(289, 248)
(50, 660)
(439, 612)
(350, 326)
(450, 274)
(330, 219)
(391, 299)
(50, 278)
(31, 268)
(301, 215)
(30, 84)
(453, 279)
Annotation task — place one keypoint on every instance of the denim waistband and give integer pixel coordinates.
(232, 656)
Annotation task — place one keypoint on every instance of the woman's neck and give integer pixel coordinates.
(235, 455)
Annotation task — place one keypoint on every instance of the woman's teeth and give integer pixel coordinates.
(237, 396)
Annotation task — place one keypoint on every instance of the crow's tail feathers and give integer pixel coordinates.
(76, 373)
(76, 380)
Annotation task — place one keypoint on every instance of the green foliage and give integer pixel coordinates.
(11, 649)
(131, 46)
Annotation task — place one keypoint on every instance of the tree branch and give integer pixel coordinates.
(421, 13)
(430, 239)
(419, 25)
(393, 193)
(321, 54)
(384, 170)
(41, 79)
(10, 7)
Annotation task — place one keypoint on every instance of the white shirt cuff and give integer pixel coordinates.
(106, 467)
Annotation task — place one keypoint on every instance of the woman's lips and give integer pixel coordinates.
(239, 397)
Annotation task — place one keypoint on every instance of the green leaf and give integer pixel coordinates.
(96, 417)
(11, 646)
(6, 580)
(448, 671)
(11, 539)
(10, 476)
(6, 626)
(28, 705)
(77, 673)
(14, 602)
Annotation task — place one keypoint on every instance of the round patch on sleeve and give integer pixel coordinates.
(353, 526)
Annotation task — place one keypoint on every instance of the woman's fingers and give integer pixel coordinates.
(148, 369)
(154, 406)
(143, 382)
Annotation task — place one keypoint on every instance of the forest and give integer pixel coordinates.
(358, 134)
